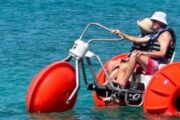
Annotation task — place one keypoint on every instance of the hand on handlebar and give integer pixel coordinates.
(116, 32)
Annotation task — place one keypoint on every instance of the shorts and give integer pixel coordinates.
(152, 66)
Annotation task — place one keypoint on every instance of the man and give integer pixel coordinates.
(161, 48)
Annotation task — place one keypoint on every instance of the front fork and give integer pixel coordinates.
(77, 62)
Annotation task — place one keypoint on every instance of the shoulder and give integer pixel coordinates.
(166, 36)
(169, 32)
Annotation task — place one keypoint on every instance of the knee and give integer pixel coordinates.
(111, 64)
(133, 56)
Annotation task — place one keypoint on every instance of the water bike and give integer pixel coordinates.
(55, 88)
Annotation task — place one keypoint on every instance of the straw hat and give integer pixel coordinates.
(159, 16)
(145, 24)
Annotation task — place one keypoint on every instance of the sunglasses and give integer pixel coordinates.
(155, 21)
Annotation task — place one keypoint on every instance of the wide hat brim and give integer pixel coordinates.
(144, 26)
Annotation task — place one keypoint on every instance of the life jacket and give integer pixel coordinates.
(141, 46)
(154, 45)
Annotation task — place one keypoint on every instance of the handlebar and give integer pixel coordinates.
(104, 40)
(98, 25)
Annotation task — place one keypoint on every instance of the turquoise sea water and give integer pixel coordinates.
(35, 33)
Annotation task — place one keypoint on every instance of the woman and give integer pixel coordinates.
(139, 43)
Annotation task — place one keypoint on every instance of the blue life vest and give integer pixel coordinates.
(141, 46)
(154, 45)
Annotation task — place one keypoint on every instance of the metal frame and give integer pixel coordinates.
(79, 63)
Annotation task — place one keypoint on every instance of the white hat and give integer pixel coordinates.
(159, 16)
(145, 24)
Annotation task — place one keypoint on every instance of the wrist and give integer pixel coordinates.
(121, 34)
(146, 53)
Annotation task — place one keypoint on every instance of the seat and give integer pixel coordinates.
(171, 61)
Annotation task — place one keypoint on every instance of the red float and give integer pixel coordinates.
(101, 79)
(51, 87)
(163, 93)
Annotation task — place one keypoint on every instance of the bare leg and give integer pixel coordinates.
(142, 60)
(113, 64)
(113, 74)
(122, 79)
(113, 67)
(122, 71)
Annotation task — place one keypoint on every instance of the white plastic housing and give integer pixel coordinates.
(79, 49)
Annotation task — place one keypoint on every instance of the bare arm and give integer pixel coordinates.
(135, 38)
(131, 37)
(164, 40)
